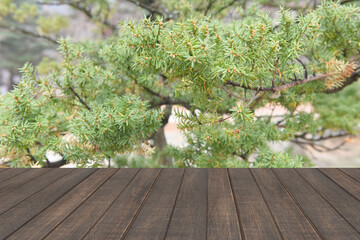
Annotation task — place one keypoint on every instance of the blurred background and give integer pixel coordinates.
(30, 32)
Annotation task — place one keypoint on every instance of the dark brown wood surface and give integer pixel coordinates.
(153, 219)
(340, 178)
(63, 207)
(20, 180)
(335, 225)
(285, 210)
(179, 204)
(119, 216)
(80, 221)
(344, 203)
(255, 217)
(15, 217)
(5, 175)
(352, 172)
(222, 215)
(189, 218)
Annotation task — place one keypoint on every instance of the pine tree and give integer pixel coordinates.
(108, 97)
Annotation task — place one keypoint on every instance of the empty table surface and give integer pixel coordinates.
(179, 204)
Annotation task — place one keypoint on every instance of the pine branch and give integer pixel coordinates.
(153, 11)
(313, 142)
(257, 100)
(28, 33)
(56, 164)
(57, 3)
(242, 156)
(79, 98)
(209, 6)
(353, 78)
(317, 146)
(88, 13)
(348, 1)
(166, 100)
(281, 87)
(32, 158)
(76, 5)
(151, 91)
(224, 119)
(321, 138)
(48, 163)
(225, 7)
(171, 101)
(303, 65)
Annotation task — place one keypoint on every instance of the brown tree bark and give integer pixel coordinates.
(160, 139)
(10, 82)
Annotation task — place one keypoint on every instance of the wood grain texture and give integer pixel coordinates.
(343, 180)
(222, 215)
(18, 180)
(19, 194)
(80, 221)
(189, 217)
(119, 216)
(14, 218)
(342, 201)
(179, 204)
(154, 217)
(327, 221)
(57, 212)
(352, 172)
(5, 175)
(284, 209)
(254, 214)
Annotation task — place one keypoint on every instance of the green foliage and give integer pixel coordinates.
(47, 25)
(107, 98)
(37, 115)
(204, 53)
(340, 111)
(24, 12)
(47, 66)
(268, 159)
(16, 52)
(138, 160)
(116, 124)
(6, 7)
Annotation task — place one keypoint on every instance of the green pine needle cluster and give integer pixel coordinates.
(108, 98)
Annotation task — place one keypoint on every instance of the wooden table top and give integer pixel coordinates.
(180, 204)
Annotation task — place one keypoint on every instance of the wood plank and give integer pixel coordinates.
(20, 179)
(5, 175)
(257, 221)
(24, 191)
(352, 172)
(153, 219)
(291, 221)
(342, 201)
(327, 221)
(57, 212)
(343, 180)
(119, 216)
(222, 215)
(179, 204)
(3, 169)
(11, 220)
(189, 217)
(79, 222)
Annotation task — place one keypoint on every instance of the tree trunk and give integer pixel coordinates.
(57, 164)
(160, 143)
(10, 83)
(160, 139)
